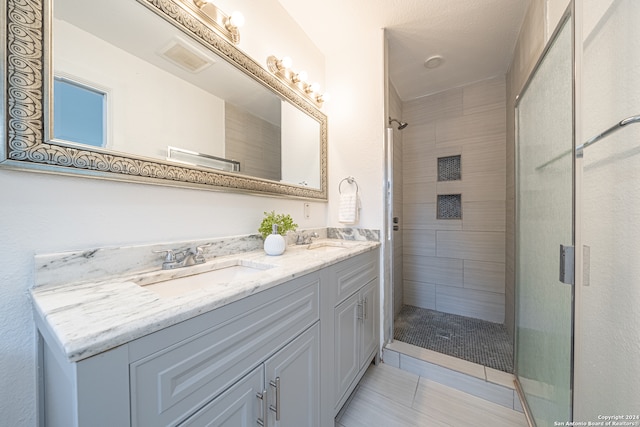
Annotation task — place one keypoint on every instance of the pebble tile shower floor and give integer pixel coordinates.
(474, 340)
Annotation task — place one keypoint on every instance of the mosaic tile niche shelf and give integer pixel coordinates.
(449, 206)
(449, 168)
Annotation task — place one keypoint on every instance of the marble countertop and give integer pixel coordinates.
(89, 318)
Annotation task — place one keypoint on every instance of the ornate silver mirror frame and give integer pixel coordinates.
(26, 46)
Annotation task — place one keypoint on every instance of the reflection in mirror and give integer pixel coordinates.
(145, 86)
(300, 161)
(199, 159)
(81, 112)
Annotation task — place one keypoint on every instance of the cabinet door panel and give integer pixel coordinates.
(298, 367)
(369, 298)
(170, 385)
(347, 343)
(237, 407)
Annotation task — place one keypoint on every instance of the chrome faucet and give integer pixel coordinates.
(306, 239)
(183, 258)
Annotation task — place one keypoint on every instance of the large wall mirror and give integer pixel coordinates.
(145, 90)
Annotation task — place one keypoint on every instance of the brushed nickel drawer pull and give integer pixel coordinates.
(263, 396)
(276, 384)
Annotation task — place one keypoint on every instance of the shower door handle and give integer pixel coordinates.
(567, 264)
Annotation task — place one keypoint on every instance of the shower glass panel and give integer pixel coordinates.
(543, 343)
(607, 370)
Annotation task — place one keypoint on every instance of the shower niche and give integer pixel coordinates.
(450, 168)
(449, 206)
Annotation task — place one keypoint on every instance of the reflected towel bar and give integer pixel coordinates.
(194, 158)
(612, 129)
(593, 140)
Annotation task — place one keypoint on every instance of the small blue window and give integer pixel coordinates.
(79, 113)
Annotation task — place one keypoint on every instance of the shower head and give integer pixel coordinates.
(401, 125)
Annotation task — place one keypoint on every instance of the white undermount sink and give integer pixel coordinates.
(225, 272)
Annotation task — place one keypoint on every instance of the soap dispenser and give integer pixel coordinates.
(274, 244)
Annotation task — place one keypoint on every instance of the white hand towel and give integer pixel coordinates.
(349, 210)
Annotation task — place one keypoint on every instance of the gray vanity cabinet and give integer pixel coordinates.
(169, 384)
(194, 368)
(355, 338)
(354, 313)
(288, 356)
(292, 375)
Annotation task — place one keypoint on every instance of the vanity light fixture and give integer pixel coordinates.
(297, 81)
(220, 21)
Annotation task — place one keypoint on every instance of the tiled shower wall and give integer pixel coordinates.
(456, 265)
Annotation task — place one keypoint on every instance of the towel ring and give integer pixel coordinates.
(350, 180)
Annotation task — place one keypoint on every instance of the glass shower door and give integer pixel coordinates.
(545, 218)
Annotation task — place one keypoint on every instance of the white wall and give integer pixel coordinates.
(607, 321)
(554, 11)
(49, 213)
(356, 121)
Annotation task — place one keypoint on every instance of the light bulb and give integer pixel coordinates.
(315, 87)
(286, 62)
(303, 76)
(237, 19)
(325, 97)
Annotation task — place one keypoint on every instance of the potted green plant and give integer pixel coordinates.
(273, 229)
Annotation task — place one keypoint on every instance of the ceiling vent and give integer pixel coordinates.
(186, 56)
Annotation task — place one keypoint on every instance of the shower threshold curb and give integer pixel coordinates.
(481, 381)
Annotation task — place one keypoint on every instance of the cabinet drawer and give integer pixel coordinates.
(352, 274)
(170, 385)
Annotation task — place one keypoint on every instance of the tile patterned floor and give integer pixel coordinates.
(475, 340)
(390, 397)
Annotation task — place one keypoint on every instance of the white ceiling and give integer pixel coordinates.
(475, 37)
